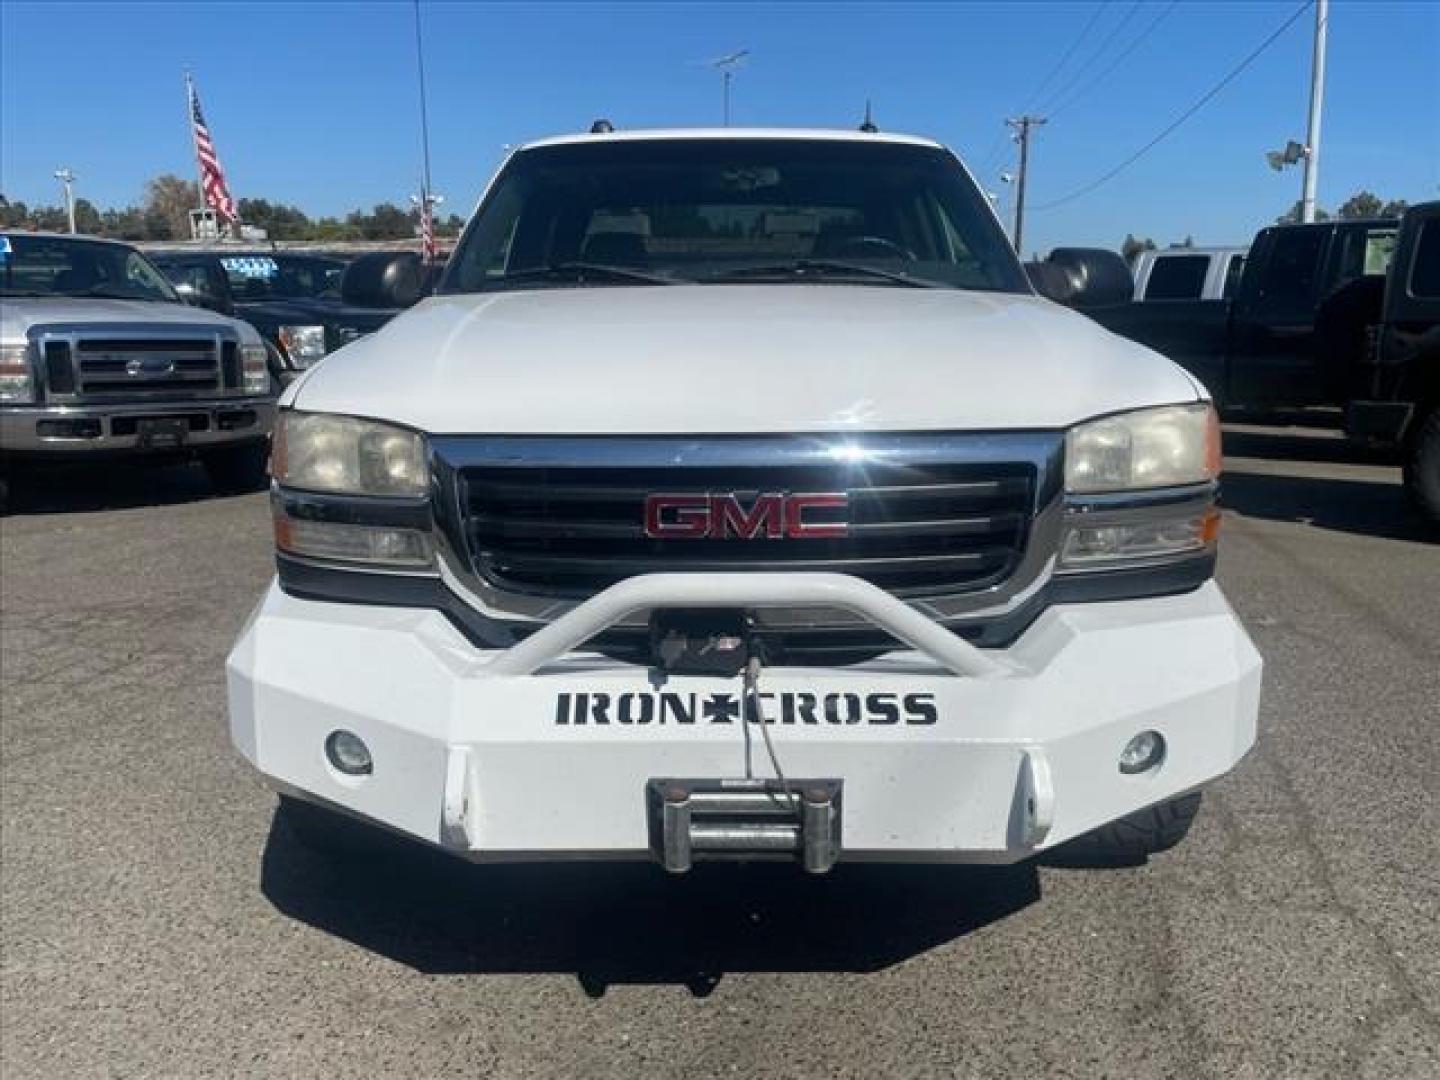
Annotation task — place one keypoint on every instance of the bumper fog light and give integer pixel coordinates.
(348, 753)
(1142, 753)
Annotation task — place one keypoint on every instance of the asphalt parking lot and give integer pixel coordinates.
(152, 923)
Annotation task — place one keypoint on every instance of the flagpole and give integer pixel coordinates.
(194, 148)
(425, 208)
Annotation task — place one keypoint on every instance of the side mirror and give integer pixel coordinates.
(200, 298)
(1083, 278)
(383, 279)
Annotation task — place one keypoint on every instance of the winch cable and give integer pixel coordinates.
(752, 694)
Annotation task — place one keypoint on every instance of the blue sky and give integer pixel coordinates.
(315, 103)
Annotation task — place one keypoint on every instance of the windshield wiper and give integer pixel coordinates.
(801, 268)
(578, 271)
(106, 294)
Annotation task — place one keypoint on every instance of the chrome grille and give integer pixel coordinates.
(113, 368)
(916, 527)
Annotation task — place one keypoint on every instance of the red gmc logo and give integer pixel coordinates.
(773, 515)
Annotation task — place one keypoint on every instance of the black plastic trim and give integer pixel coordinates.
(405, 513)
(309, 581)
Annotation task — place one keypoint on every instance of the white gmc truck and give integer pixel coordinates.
(736, 496)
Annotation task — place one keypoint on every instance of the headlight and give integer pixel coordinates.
(346, 456)
(17, 379)
(304, 345)
(254, 368)
(1149, 448)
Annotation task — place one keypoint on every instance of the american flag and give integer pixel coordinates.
(212, 176)
(427, 228)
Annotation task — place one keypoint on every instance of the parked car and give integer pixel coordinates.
(1190, 273)
(736, 496)
(100, 358)
(301, 303)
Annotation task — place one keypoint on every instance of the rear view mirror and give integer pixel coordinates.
(1083, 278)
(202, 298)
(383, 279)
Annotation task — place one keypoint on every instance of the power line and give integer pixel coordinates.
(1059, 94)
(1135, 44)
(1065, 57)
(1191, 111)
(995, 147)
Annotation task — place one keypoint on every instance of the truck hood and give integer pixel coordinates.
(19, 313)
(738, 359)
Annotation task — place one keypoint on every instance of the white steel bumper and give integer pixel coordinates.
(945, 751)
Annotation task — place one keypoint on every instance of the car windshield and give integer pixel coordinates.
(756, 210)
(282, 277)
(61, 266)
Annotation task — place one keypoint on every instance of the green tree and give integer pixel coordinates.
(1363, 204)
(1133, 246)
(126, 224)
(385, 222)
(87, 218)
(1292, 216)
(280, 222)
(168, 202)
(1394, 208)
(14, 215)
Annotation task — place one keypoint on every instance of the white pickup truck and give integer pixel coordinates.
(736, 496)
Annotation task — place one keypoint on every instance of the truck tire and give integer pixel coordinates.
(238, 469)
(1134, 838)
(327, 832)
(1422, 467)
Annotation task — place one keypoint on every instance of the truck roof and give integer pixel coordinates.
(1198, 249)
(47, 235)
(799, 134)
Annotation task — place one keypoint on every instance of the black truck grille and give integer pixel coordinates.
(118, 368)
(913, 530)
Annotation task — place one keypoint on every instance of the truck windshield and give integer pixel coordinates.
(58, 266)
(282, 277)
(667, 211)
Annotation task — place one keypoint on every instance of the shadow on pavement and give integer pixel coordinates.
(1368, 507)
(72, 489)
(631, 923)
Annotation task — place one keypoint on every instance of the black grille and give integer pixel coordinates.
(59, 371)
(131, 368)
(913, 530)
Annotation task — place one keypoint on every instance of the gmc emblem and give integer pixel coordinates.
(774, 515)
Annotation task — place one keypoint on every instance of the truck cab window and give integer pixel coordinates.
(1177, 277)
(1425, 275)
(1289, 279)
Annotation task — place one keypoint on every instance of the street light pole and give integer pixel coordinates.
(67, 180)
(726, 65)
(1317, 100)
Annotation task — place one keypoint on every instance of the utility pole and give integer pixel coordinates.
(1317, 99)
(1022, 126)
(67, 180)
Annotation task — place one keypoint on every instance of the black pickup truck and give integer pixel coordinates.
(304, 305)
(1271, 345)
(1339, 314)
